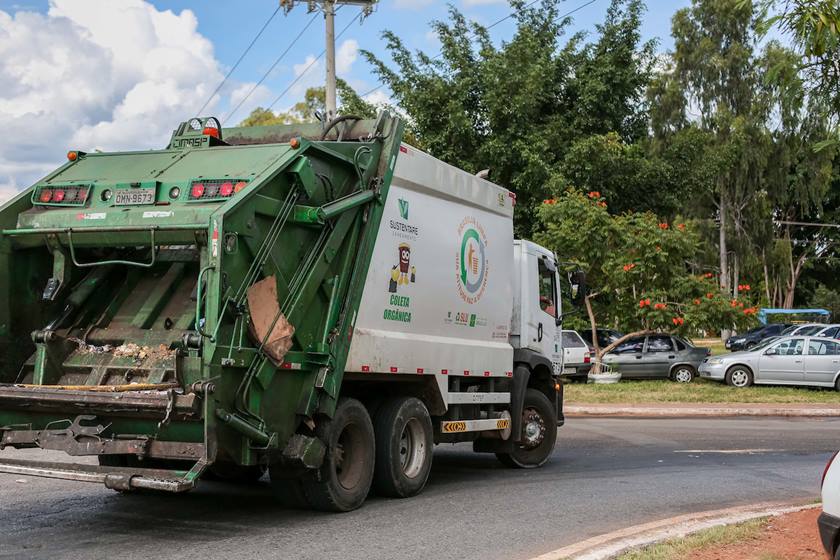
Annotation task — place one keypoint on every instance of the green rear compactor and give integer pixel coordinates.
(188, 311)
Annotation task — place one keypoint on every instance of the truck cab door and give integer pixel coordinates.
(542, 308)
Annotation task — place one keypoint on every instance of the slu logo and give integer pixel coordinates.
(403, 208)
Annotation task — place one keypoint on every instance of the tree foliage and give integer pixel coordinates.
(312, 106)
(517, 107)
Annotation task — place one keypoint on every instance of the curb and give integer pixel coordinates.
(609, 545)
(583, 410)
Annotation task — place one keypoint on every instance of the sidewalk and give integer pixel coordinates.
(677, 410)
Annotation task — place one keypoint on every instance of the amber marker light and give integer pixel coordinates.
(72, 155)
(294, 143)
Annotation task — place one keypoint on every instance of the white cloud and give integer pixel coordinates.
(312, 72)
(379, 99)
(346, 55)
(90, 74)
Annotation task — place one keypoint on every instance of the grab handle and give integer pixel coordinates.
(116, 261)
(198, 304)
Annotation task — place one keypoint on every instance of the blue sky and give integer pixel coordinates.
(121, 74)
(231, 29)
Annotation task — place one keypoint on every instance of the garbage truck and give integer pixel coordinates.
(324, 304)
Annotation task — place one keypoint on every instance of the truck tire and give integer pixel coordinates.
(539, 433)
(344, 480)
(404, 443)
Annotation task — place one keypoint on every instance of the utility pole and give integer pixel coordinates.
(328, 7)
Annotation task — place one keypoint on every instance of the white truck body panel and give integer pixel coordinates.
(439, 292)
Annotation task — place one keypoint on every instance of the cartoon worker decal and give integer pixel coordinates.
(402, 273)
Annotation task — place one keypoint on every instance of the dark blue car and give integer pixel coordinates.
(754, 336)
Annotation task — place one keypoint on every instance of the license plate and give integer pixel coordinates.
(125, 197)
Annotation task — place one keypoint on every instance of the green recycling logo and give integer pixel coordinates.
(472, 264)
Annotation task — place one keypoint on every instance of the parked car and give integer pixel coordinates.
(829, 331)
(829, 519)
(605, 337)
(657, 356)
(803, 330)
(576, 356)
(754, 336)
(788, 360)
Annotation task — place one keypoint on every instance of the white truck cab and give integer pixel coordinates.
(536, 303)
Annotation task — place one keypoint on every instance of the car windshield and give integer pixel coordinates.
(764, 343)
(790, 329)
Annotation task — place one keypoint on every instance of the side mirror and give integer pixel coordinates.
(770, 352)
(577, 284)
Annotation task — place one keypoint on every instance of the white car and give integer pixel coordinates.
(787, 360)
(829, 520)
(830, 331)
(576, 355)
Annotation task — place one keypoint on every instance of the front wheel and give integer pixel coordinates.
(739, 376)
(683, 374)
(343, 481)
(539, 433)
(404, 443)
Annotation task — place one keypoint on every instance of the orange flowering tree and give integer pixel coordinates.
(637, 269)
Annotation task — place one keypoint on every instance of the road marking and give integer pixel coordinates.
(730, 451)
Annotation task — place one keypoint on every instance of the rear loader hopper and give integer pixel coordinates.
(191, 311)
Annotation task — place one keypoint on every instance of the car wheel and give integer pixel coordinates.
(739, 376)
(837, 384)
(683, 374)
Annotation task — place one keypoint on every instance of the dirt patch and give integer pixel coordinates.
(793, 536)
(138, 352)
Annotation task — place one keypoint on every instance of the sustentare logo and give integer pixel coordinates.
(403, 204)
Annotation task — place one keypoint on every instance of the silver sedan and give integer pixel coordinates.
(789, 360)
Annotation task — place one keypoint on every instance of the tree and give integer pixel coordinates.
(814, 27)
(637, 269)
(517, 108)
(312, 106)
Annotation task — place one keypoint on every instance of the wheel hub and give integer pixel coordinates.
(533, 429)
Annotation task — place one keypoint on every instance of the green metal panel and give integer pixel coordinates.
(172, 277)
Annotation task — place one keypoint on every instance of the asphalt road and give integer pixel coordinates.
(605, 474)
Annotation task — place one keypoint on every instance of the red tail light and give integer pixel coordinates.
(226, 189)
(209, 131)
(197, 190)
(58, 195)
(827, 466)
(586, 358)
(45, 196)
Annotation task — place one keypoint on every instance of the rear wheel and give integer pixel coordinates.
(739, 376)
(539, 433)
(404, 443)
(683, 374)
(343, 481)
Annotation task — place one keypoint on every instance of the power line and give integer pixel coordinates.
(494, 24)
(305, 70)
(276, 62)
(254, 40)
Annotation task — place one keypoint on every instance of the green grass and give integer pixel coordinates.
(679, 548)
(698, 391)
